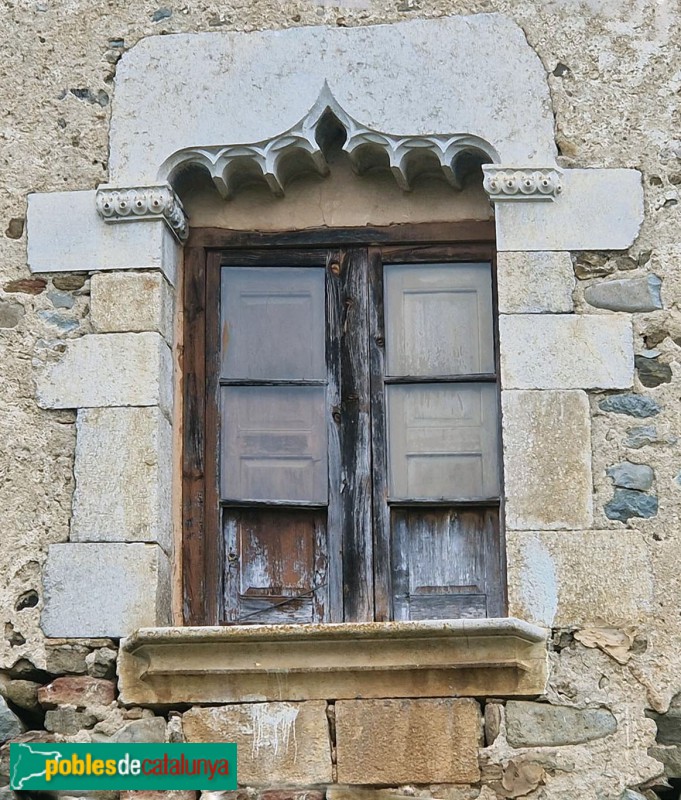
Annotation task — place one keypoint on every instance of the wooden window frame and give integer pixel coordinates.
(201, 530)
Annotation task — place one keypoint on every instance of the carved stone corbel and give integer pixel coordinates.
(522, 183)
(143, 203)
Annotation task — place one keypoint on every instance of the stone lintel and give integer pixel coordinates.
(347, 660)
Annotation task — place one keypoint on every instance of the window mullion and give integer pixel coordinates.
(380, 510)
(353, 420)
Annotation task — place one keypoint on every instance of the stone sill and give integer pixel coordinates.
(441, 658)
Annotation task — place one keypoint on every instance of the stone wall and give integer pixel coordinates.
(593, 517)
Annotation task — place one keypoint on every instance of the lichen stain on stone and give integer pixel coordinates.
(274, 730)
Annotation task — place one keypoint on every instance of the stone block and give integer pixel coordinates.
(158, 795)
(626, 294)
(152, 729)
(21, 693)
(492, 722)
(78, 691)
(534, 283)
(66, 234)
(104, 589)
(599, 209)
(102, 663)
(668, 725)
(634, 405)
(631, 476)
(628, 503)
(11, 313)
(599, 577)
(651, 371)
(670, 757)
(287, 794)
(10, 724)
(69, 658)
(450, 792)
(67, 721)
(122, 302)
(544, 725)
(547, 458)
(123, 472)
(112, 369)
(407, 741)
(285, 743)
(566, 351)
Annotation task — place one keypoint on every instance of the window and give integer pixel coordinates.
(341, 431)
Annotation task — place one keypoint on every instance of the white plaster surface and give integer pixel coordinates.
(534, 283)
(598, 210)
(566, 351)
(104, 589)
(547, 460)
(123, 474)
(109, 369)
(600, 577)
(229, 88)
(66, 234)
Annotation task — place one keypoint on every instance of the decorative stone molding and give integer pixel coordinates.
(302, 148)
(143, 203)
(465, 657)
(522, 183)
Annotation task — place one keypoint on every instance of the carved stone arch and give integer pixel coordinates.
(305, 146)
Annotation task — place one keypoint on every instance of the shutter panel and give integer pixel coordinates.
(438, 319)
(446, 563)
(276, 565)
(443, 441)
(273, 448)
(273, 323)
(274, 444)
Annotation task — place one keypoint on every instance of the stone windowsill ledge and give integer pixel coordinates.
(473, 657)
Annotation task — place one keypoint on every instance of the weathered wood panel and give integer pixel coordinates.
(446, 563)
(193, 432)
(213, 541)
(334, 305)
(276, 566)
(428, 234)
(379, 456)
(355, 438)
